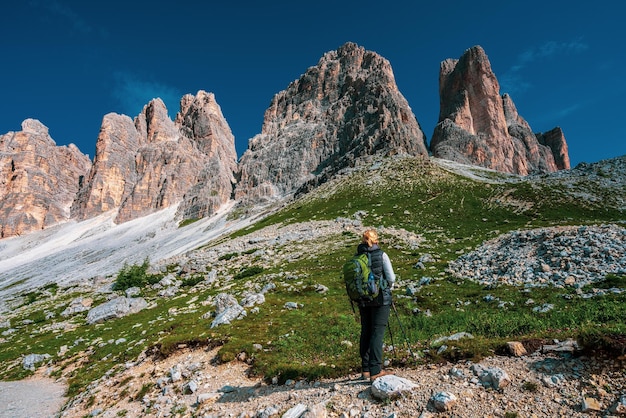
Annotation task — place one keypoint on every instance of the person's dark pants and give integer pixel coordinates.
(373, 323)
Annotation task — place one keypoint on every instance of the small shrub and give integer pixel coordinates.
(51, 287)
(145, 388)
(126, 380)
(172, 268)
(132, 276)
(613, 280)
(227, 256)
(38, 317)
(192, 281)
(153, 278)
(187, 222)
(248, 272)
(31, 297)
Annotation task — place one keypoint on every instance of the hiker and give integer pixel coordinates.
(375, 314)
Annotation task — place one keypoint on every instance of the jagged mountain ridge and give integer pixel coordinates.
(295, 253)
(345, 108)
(153, 163)
(478, 126)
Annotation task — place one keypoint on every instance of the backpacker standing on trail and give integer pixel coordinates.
(375, 313)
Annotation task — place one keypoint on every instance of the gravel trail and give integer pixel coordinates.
(34, 397)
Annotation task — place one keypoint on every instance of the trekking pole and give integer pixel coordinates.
(406, 340)
(393, 345)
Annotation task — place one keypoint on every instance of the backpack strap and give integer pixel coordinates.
(382, 281)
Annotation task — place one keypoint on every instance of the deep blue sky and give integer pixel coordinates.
(68, 63)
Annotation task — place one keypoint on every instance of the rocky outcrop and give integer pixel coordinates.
(153, 163)
(346, 107)
(112, 175)
(38, 179)
(201, 119)
(478, 126)
(536, 257)
(555, 140)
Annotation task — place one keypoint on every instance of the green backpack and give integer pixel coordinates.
(360, 281)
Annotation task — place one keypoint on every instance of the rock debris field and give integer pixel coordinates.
(562, 256)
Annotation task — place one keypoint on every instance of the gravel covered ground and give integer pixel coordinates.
(35, 397)
(541, 385)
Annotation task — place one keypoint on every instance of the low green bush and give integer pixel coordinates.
(192, 281)
(248, 272)
(134, 276)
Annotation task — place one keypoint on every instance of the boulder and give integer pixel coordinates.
(115, 308)
(619, 407)
(491, 377)
(391, 387)
(31, 360)
(516, 348)
(442, 401)
(77, 305)
(226, 310)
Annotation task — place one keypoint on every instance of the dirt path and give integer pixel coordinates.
(35, 397)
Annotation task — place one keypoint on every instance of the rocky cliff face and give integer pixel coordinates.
(112, 174)
(201, 119)
(154, 162)
(555, 140)
(478, 126)
(38, 179)
(347, 106)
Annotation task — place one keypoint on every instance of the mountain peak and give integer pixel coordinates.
(478, 126)
(346, 107)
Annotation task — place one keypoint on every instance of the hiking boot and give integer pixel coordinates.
(381, 374)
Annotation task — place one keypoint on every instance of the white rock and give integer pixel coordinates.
(491, 377)
(295, 411)
(391, 387)
(30, 361)
(115, 308)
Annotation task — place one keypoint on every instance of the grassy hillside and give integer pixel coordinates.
(419, 208)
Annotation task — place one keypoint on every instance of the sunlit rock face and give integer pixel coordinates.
(38, 179)
(346, 107)
(479, 126)
(201, 119)
(151, 163)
